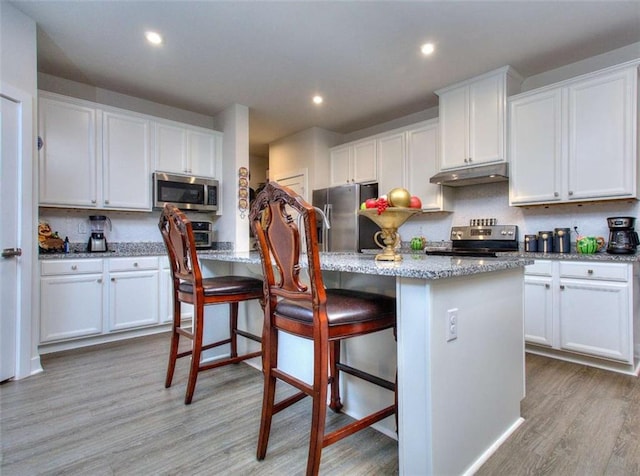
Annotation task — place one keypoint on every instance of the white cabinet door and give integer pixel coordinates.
(391, 162)
(170, 148)
(340, 165)
(538, 310)
(422, 163)
(70, 306)
(133, 299)
(487, 98)
(535, 149)
(595, 318)
(454, 128)
(67, 169)
(202, 153)
(126, 162)
(602, 158)
(365, 162)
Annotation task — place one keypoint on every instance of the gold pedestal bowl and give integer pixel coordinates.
(389, 221)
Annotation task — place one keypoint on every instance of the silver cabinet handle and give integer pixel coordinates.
(562, 286)
(99, 280)
(589, 271)
(93, 201)
(11, 252)
(106, 202)
(74, 267)
(135, 265)
(113, 280)
(570, 192)
(547, 285)
(556, 194)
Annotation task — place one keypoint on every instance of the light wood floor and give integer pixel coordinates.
(105, 411)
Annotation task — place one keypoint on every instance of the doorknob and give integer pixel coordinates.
(11, 252)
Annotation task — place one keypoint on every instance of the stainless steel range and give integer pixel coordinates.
(479, 241)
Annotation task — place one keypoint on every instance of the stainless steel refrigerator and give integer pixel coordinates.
(347, 231)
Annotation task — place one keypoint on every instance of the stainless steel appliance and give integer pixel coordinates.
(348, 231)
(480, 241)
(97, 240)
(202, 234)
(622, 237)
(185, 192)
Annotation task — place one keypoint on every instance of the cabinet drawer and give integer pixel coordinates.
(539, 268)
(600, 271)
(76, 266)
(133, 263)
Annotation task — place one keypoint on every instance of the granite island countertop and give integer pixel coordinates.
(413, 265)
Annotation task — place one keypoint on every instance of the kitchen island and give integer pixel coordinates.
(459, 352)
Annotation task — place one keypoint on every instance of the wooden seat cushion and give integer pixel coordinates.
(344, 306)
(225, 285)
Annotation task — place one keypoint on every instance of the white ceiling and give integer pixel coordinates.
(362, 56)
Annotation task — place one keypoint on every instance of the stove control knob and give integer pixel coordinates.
(503, 232)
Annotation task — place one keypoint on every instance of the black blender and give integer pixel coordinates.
(97, 241)
(622, 237)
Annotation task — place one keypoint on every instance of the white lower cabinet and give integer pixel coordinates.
(584, 308)
(82, 298)
(133, 292)
(71, 299)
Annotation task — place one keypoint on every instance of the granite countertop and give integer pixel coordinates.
(602, 256)
(413, 265)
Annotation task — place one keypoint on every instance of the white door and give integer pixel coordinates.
(9, 239)
(296, 181)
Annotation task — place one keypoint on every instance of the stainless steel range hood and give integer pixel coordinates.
(472, 175)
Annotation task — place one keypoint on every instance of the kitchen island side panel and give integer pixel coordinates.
(468, 400)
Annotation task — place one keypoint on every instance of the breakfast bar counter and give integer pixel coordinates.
(459, 351)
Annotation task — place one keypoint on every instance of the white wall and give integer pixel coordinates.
(233, 225)
(306, 149)
(54, 84)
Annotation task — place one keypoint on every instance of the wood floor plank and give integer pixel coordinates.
(105, 411)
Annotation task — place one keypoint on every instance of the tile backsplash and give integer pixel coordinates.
(127, 226)
(476, 201)
(492, 201)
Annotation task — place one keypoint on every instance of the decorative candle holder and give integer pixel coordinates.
(389, 221)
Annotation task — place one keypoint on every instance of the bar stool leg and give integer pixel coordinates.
(269, 361)
(233, 328)
(196, 351)
(173, 346)
(320, 383)
(334, 378)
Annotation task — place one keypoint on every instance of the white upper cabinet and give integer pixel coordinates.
(93, 157)
(356, 162)
(68, 158)
(407, 158)
(535, 148)
(473, 119)
(575, 141)
(126, 161)
(186, 149)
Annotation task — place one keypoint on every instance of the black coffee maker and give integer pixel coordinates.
(622, 238)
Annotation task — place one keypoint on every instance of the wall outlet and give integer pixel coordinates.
(82, 228)
(452, 324)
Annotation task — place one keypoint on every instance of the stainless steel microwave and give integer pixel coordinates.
(185, 192)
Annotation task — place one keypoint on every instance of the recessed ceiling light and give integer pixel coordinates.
(153, 37)
(427, 48)
(317, 99)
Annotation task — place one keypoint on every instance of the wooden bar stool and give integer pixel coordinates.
(190, 287)
(326, 316)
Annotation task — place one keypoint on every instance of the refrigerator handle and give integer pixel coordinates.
(325, 229)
